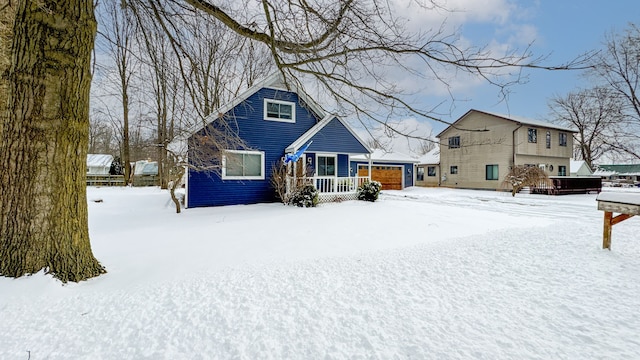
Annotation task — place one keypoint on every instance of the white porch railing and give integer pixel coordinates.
(334, 188)
(333, 184)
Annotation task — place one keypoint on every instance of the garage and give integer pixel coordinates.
(389, 176)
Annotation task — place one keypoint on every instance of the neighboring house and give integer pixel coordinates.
(478, 150)
(395, 171)
(579, 168)
(274, 122)
(99, 164)
(629, 173)
(428, 169)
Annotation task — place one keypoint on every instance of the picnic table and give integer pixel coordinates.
(626, 204)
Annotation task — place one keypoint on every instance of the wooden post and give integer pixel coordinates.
(606, 235)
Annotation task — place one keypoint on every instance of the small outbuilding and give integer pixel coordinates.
(99, 164)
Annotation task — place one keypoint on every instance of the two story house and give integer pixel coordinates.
(274, 121)
(478, 150)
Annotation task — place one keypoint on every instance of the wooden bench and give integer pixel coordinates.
(625, 204)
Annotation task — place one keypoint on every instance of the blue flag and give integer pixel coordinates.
(297, 155)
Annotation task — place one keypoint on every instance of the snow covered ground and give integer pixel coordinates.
(420, 274)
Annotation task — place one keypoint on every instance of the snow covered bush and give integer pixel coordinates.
(522, 176)
(306, 196)
(369, 191)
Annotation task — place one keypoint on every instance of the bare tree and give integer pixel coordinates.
(619, 69)
(118, 35)
(598, 116)
(352, 51)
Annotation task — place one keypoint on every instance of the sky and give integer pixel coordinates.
(558, 30)
(563, 30)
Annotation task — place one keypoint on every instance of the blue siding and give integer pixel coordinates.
(272, 137)
(336, 138)
(408, 175)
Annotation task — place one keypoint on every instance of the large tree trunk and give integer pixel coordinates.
(44, 139)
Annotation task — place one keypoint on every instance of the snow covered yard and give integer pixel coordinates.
(422, 273)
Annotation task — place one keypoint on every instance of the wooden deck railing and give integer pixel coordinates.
(105, 180)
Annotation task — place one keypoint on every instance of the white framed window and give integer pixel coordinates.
(243, 165)
(278, 110)
(326, 165)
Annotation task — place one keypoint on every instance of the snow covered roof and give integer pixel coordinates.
(95, 160)
(574, 165)
(432, 157)
(379, 155)
(620, 197)
(623, 169)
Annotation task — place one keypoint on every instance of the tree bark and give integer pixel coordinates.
(44, 139)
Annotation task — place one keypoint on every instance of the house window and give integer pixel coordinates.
(548, 139)
(431, 171)
(563, 139)
(277, 110)
(533, 135)
(420, 174)
(562, 170)
(454, 142)
(243, 165)
(492, 172)
(326, 165)
(453, 169)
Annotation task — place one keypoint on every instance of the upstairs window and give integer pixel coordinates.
(548, 139)
(533, 135)
(276, 110)
(563, 139)
(454, 142)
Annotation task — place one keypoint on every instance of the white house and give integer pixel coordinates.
(579, 168)
(99, 164)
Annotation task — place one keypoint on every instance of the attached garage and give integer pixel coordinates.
(393, 170)
(389, 176)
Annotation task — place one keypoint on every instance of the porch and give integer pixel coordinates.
(332, 188)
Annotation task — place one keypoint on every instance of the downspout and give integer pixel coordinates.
(513, 146)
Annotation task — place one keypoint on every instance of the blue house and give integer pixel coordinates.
(273, 121)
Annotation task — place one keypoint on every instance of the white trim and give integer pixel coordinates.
(273, 81)
(224, 166)
(280, 102)
(333, 155)
(304, 138)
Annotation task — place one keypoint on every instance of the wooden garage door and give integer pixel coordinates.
(389, 176)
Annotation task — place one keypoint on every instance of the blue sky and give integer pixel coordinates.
(562, 29)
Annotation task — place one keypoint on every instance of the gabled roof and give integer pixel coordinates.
(515, 119)
(382, 156)
(273, 81)
(306, 137)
